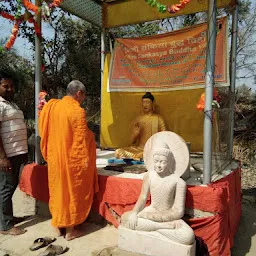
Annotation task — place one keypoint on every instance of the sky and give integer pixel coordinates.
(22, 46)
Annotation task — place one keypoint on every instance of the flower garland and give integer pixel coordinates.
(13, 36)
(30, 6)
(170, 8)
(7, 15)
(55, 3)
(215, 102)
(27, 16)
(15, 29)
(42, 101)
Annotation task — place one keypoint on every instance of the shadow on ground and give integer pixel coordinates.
(31, 221)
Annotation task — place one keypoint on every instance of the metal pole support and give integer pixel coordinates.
(209, 86)
(38, 84)
(233, 78)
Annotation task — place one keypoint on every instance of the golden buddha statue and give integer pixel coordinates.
(144, 127)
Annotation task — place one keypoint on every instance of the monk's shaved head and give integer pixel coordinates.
(75, 86)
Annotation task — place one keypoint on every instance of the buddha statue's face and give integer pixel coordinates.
(147, 106)
(160, 164)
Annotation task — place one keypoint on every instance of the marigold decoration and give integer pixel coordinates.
(170, 8)
(27, 16)
(7, 15)
(177, 7)
(13, 36)
(55, 3)
(215, 103)
(30, 6)
(42, 101)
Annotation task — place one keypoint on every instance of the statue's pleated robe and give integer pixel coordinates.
(149, 125)
(69, 148)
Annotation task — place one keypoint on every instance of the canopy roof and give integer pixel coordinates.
(114, 13)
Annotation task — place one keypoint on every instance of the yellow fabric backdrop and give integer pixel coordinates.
(178, 108)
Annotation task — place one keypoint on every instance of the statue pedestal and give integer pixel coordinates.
(152, 244)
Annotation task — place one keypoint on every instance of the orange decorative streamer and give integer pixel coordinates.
(25, 17)
(42, 101)
(13, 36)
(36, 27)
(177, 7)
(30, 6)
(7, 15)
(201, 102)
(56, 3)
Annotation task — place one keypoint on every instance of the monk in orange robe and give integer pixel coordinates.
(69, 148)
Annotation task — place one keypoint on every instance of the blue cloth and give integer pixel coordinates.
(121, 161)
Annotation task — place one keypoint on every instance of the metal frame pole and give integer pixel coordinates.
(38, 83)
(209, 86)
(103, 52)
(233, 77)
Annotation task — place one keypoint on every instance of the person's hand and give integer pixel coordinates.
(5, 165)
(132, 220)
(136, 129)
(178, 224)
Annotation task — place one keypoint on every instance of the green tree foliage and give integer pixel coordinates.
(137, 30)
(72, 53)
(22, 72)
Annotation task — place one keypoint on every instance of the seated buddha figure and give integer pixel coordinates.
(166, 157)
(144, 127)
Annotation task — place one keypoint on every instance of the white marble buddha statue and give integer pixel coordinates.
(166, 157)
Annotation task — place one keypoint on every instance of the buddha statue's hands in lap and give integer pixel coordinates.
(166, 157)
(144, 127)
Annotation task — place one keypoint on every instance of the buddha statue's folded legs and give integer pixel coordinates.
(178, 230)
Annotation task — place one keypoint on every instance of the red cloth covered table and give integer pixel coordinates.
(223, 198)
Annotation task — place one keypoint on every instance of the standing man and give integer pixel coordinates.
(69, 149)
(13, 152)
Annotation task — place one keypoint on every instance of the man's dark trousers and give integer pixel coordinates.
(8, 183)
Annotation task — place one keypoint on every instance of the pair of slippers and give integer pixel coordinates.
(51, 250)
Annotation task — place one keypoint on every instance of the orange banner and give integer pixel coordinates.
(171, 61)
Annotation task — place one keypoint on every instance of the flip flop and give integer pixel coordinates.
(41, 242)
(53, 250)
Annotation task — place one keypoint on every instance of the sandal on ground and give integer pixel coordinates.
(41, 242)
(53, 250)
